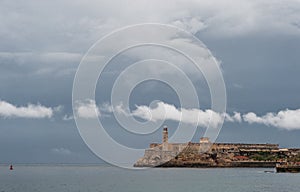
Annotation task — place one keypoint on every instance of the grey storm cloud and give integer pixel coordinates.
(35, 37)
(74, 25)
(42, 41)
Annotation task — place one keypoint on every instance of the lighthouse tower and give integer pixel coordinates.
(165, 139)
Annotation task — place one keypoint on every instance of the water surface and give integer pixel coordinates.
(107, 178)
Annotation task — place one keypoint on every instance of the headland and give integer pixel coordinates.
(206, 154)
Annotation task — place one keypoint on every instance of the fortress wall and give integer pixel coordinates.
(196, 147)
(170, 146)
(244, 145)
(152, 153)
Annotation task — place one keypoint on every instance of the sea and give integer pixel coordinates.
(105, 178)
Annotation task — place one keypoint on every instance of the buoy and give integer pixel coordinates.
(11, 167)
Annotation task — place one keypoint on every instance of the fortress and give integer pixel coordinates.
(208, 154)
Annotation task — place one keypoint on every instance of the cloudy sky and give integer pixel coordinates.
(256, 45)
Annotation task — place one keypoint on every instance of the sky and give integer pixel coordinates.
(255, 43)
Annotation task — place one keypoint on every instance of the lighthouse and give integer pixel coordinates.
(165, 139)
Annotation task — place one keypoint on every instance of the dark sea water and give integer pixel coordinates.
(107, 178)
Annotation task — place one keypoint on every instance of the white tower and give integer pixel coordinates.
(165, 139)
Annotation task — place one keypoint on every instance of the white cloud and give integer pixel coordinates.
(164, 111)
(30, 111)
(58, 109)
(235, 118)
(61, 151)
(106, 107)
(190, 24)
(286, 119)
(87, 109)
(68, 117)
